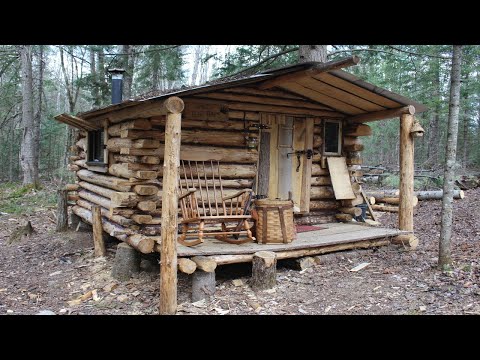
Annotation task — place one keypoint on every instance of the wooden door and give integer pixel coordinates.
(280, 173)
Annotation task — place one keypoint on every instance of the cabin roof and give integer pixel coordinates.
(335, 90)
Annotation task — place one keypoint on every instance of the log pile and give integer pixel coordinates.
(388, 200)
(129, 194)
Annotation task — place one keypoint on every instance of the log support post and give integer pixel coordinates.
(127, 262)
(264, 270)
(168, 256)
(203, 285)
(405, 206)
(62, 211)
(98, 242)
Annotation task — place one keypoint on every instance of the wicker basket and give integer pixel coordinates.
(275, 221)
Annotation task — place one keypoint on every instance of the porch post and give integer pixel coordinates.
(405, 211)
(171, 163)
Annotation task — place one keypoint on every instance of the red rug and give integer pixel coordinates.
(305, 228)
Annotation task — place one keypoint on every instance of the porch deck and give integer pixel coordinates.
(334, 237)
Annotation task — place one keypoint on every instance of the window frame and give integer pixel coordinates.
(94, 147)
(340, 137)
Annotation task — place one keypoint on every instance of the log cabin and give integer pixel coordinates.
(288, 133)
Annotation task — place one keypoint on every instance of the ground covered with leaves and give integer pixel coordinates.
(56, 273)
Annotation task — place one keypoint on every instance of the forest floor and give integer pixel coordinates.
(57, 273)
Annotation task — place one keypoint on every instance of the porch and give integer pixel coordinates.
(332, 237)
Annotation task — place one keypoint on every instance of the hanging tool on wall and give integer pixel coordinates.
(308, 153)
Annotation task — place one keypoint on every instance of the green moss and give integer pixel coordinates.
(18, 199)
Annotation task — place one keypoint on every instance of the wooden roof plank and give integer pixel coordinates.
(267, 100)
(358, 90)
(342, 95)
(323, 99)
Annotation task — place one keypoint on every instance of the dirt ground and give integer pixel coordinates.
(58, 273)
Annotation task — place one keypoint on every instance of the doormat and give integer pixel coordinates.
(306, 228)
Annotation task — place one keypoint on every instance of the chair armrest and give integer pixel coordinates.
(189, 192)
(237, 194)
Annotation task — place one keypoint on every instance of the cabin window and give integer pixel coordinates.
(332, 137)
(96, 148)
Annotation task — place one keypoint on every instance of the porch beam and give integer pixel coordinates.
(381, 115)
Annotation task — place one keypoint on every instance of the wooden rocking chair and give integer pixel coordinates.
(203, 200)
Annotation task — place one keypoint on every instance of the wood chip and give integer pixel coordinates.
(110, 287)
(86, 296)
(95, 296)
(74, 302)
(221, 311)
(55, 273)
(360, 267)
(237, 282)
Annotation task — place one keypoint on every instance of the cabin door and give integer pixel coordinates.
(284, 167)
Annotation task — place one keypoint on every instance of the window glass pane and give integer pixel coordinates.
(332, 130)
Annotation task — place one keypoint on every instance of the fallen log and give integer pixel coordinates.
(385, 208)
(437, 194)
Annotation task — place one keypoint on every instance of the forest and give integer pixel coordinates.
(75, 78)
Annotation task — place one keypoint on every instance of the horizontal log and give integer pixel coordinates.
(193, 136)
(95, 198)
(154, 160)
(395, 200)
(73, 168)
(124, 199)
(186, 266)
(355, 161)
(358, 130)
(205, 124)
(354, 211)
(139, 166)
(315, 218)
(81, 163)
(110, 182)
(319, 171)
(228, 171)
(106, 213)
(365, 244)
(321, 192)
(317, 141)
(82, 144)
(320, 180)
(71, 187)
(116, 143)
(353, 202)
(202, 153)
(122, 170)
(247, 115)
(437, 195)
(204, 263)
(344, 217)
(141, 218)
(72, 197)
(323, 205)
(137, 124)
(97, 189)
(383, 193)
(380, 115)
(147, 205)
(145, 189)
(113, 229)
(144, 244)
(385, 208)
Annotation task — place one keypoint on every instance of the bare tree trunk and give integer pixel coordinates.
(196, 63)
(27, 151)
(312, 53)
(93, 73)
(444, 256)
(466, 123)
(129, 66)
(38, 115)
(432, 150)
(104, 90)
